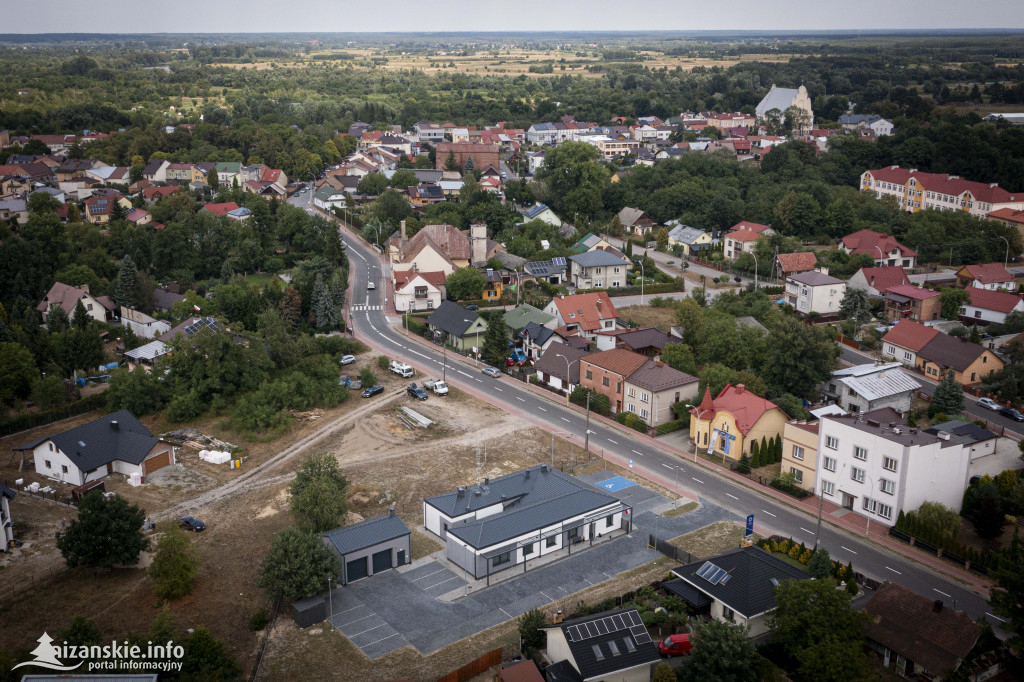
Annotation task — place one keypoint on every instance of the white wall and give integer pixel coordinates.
(983, 314)
(48, 452)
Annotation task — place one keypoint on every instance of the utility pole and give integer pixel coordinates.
(586, 436)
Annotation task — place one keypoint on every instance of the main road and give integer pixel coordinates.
(369, 320)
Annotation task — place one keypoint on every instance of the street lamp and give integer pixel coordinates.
(821, 498)
(1006, 258)
(640, 262)
(699, 413)
(444, 355)
(880, 254)
(567, 376)
(755, 269)
(330, 599)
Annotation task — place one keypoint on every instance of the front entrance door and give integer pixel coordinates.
(848, 501)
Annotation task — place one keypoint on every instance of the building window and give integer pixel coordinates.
(889, 464)
(502, 558)
(798, 475)
(828, 487)
(643, 413)
(64, 468)
(644, 398)
(604, 381)
(590, 375)
(728, 613)
(830, 463)
(886, 486)
(831, 442)
(857, 474)
(632, 392)
(47, 462)
(860, 453)
(551, 541)
(870, 505)
(798, 452)
(609, 520)
(529, 549)
(885, 511)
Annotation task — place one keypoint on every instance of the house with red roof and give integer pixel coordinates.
(418, 290)
(904, 341)
(139, 216)
(993, 276)
(916, 191)
(906, 301)
(792, 263)
(1010, 217)
(742, 236)
(605, 373)
(152, 194)
(728, 424)
(221, 208)
(99, 308)
(986, 306)
(876, 280)
(882, 247)
(584, 314)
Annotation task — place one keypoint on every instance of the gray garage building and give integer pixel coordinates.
(371, 546)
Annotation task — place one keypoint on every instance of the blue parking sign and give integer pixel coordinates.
(750, 525)
(630, 464)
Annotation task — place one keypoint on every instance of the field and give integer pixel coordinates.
(649, 316)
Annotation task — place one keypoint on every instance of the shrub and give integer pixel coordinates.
(631, 420)
(743, 466)
(259, 620)
(175, 565)
(367, 377)
(670, 426)
(851, 586)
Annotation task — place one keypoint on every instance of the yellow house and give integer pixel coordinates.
(729, 423)
(691, 239)
(800, 452)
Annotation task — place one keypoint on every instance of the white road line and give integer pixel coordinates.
(550, 599)
(365, 631)
(542, 409)
(380, 640)
(462, 373)
(943, 593)
(768, 513)
(479, 381)
(497, 389)
(504, 611)
(359, 619)
(732, 496)
(520, 399)
(806, 531)
(994, 616)
(637, 452)
(588, 582)
(418, 353)
(564, 419)
(454, 577)
(351, 609)
(429, 574)
(611, 441)
(894, 571)
(847, 549)
(698, 480)
(665, 465)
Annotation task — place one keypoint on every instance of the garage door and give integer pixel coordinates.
(382, 561)
(156, 462)
(354, 570)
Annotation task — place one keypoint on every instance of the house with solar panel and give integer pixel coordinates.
(609, 646)
(551, 271)
(737, 586)
(510, 521)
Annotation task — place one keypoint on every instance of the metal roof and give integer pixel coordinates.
(874, 382)
(368, 533)
(452, 318)
(597, 258)
(537, 483)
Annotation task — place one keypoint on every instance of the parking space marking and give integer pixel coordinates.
(377, 627)
(379, 640)
(454, 577)
(505, 612)
(357, 620)
(550, 599)
(430, 574)
(894, 570)
(361, 606)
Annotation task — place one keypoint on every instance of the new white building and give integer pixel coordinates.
(875, 465)
(814, 292)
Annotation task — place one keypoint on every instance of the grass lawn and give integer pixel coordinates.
(260, 279)
(711, 540)
(647, 316)
(681, 509)
(422, 545)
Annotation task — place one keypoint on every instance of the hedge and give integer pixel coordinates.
(30, 421)
(670, 426)
(793, 490)
(631, 420)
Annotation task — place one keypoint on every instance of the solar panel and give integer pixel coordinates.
(574, 633)
(635, 618)
(602, 627)
(713, 574)
(617, 620)
(638, 630)
(644, 638)
(706, 568)
(558, 260)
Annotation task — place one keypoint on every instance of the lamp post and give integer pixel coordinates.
(871, 487)
(821, 498)
(567, 376)
(330, 599)
(880, 254)
(1006, 258)
(586, 437)
(699, 413)
(640, 262)
(755, 269)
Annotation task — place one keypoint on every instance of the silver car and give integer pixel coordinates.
(491, 372)
(989, 404)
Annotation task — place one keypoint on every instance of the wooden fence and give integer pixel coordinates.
(473, 668)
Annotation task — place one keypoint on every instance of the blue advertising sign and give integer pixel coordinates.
(750, 526)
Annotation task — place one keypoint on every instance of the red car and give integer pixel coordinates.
(675, 645)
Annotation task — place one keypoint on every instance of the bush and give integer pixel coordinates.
(629, 419)
(743, 466)
(383, 362)
(175, 565)
(367, 377)
(670, 426)
(259, 620)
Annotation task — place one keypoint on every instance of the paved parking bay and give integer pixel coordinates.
(363, 627)
(435, 579)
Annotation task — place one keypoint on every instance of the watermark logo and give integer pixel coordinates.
(116, 656)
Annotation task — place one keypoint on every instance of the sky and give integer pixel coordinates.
(253, 16)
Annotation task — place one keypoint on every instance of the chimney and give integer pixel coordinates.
(403, 239)
(477, 492)
(937, 607)
(897, 430)
(544, 468)
(487, 480)
(460, 491)
(391, 512)
(740, 388)
(114, 425)
(942, 435)
(527, 474)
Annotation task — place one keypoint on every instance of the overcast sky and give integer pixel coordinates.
(242, 16)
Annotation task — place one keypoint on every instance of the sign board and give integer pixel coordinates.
(727, 438)
(630, 464)
(750, 526)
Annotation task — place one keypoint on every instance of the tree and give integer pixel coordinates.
(373, 184)
(57, 320)
(1007, 595)
(290, 307)
(81, 631)
(530, 632)
(48, 392)
(664, 673)
(367, 377)
(951, 300)
(318, 495)
(983, 505)
(469, 167)
(699, 294)
(941, 518)
(207, 658)
(322, 308)
(465, 284)
(722, 652)
(855, 305)
(140, 393)
(948, 397)
(451, 163)
(679, 356)
(496, 339)
(820, 565)
(126, 289)
(175, 565)
(79, 316)
(17, 371)
(402, 179)
(799, 358)
(297, 566)
(661, 237)
(106, 533)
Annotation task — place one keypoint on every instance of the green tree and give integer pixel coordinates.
(80, 318)
(496, 338)
(1007, 595)
(207, 658)
(322, 308)
(319, 494)
(402, 179)
(175, 566)
(469, 168)
(373, 184)
(48, 392)
(983, 505)
(722, 652)
(17, 371)
(297, 566)
(57, 320)
(574, 179)
(126, 289)
(679, 356)
(699, 294)
(855, 305)
(367, 377)
(951, 300)
(139, 392)
(799, 358)
(106, 533)
(530, 632)
(81, 631)
(664, 673)
(941, 518)
(465, 284)
(820, 565)
(948, 397)
(451, 163)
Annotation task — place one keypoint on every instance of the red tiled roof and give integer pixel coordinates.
(753, 227)
(865, 241)
(910, 335)
(402, 278)
(220, 209)
(745, 407)
(910, 291)
(885, 277)
(449, 241)
(617, 360)
(270, 175)
(743, 236)
(947, 184)
(999, 301)
(586, 310)
(797, 262)
(1008, 214)
(989, 273)
(158, 192)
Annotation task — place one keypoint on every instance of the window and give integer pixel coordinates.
(630, 407)
(47, 462)
(551, 541)
(886, 486)
(798, 474)
(798, 452)
(502, 558)
(573, 533)
(870, 505)
(51, 447)
(828, 487)
(860, 453)
(885, 511)
(590, 375)
(529, 549)
(907, 355)
(830, 463)
(857, 474)
(728, 613)
(644, 397)
(609, 520)
(889, 464)
(605, 381)
(64, 468)
(831, 442)
(643, 413)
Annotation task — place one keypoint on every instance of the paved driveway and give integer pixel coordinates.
(389, 610)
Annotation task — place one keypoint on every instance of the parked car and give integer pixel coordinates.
(988, 404)
(472, 306)
(191, 523)
(437, 386)
(491, 372)
(370, 286)
(372, 391)
(1012, 414)
(348, 359)
(675, 645)
(416, 392)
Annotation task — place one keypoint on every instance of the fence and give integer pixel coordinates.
(474, 667)
(12, 589)
(263, 641)
(31, 421)
(976, 567)
(670, 550)
(52, 496)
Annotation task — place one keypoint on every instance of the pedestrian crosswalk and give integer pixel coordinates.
(357, 308)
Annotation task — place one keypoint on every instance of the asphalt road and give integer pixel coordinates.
(669, 470)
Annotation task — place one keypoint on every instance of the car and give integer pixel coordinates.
(675, 645)
(988, 404)
(348, 359)
(491, 372)
(1012, 414)
(370, 286)
(191, 523)
(472, 306)
(416, 392)
(372, 391)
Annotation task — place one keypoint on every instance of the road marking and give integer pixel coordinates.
(429, 574)
(564, 419)
(380, 640)
(806, 531)
(665, 465)
(943, 593)
(768, 513)
(498, 389)
(463, 373)
(542, 409)
(480, 381)
(894, 571)
(698, 480)
(520, 399)
(414, 352)
(847, 549)
(351, 609)
(504, 611)
(365, 631)
(994, 616)
(546, 596)
(637, 452)
(732, 496)
(611, 441)
(359, 619)
(454, 577)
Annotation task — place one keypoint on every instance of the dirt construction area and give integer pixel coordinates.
(387, 462)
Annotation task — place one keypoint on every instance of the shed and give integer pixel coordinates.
(371, 546)
(309, 611)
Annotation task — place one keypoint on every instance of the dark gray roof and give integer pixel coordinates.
(657, 376)
(597, 258)
(537, 483)
(100, 441)
(7, 492)
(814, 278)
(561, 672)
(950, 352)
(550, 363)
(650, 337)
(544, 268)
(691, 594)
(749, 591)
(969, 430)
(618, 626)
(368, 533)
(536, 333)
(451, 318)
(165, 300)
